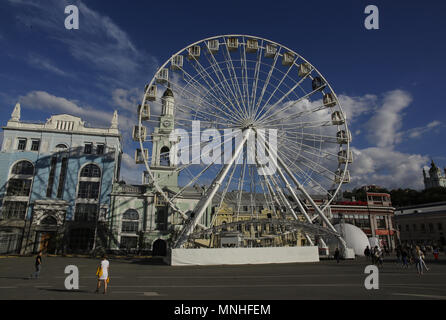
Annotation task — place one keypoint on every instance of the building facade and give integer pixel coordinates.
(56, 179)
(375, 217)
(435, 178)
(422, 224)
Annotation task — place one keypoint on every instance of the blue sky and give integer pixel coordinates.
(390, 80)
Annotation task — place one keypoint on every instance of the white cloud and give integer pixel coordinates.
(383, 127)
(354, 107)
(44, 64)
(419, 131)
(387, 168)
(127, 99)
(42, 100)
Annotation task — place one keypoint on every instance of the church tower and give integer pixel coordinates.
(162, 164)
(435, 178)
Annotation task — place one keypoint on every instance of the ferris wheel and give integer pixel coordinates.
(257, 128)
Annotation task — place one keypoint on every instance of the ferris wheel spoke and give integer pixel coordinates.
(305, 174)
(307, 196)
(244, 68)
(217, 70)
(292, 104)
(224, 96)
(296, 115)
(301, 145)
(233, 77)
(256, 78)
(265, 85)
(216, 98)
(268, 111)
(223, 196)
(316, 167)
(273, 93)
(210, 109)
(284, 179)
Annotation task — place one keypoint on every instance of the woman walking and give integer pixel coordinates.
(103, 274)
(420, 261)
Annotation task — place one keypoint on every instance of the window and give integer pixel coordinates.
(440, 226)
(130, 221)
(431, 227)
(22, 144)
(49, 220)
(88, 190)
(100, 149)
(91, 171)
(23, 168)
(423, 228)
(161, 219)
(85, 212)
(407, 227)
(129, 227)
(19, 187)
(14, 210)
(62, 177)
(164, 157)
(88, 149)
(128, 243)
(130, 215)
(414, 227)
(61, 147)
(49, 189)
(380, 222)
(35, 144)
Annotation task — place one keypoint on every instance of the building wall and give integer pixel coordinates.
(49, 138)
(410, 222)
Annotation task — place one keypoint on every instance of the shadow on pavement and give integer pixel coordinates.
(150, 261)
(67, 291)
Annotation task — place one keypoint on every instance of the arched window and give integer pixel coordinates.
(91, 171)
(130, 215)
(23, 168)
(164, 157)
(130, 221)
(61, 147)
(49, 220)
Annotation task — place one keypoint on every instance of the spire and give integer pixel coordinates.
(114, 122)
(15, 115)
(168, 92)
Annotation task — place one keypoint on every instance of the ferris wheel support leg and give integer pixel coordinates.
(316, 207)
(202, 206)
(291, 190)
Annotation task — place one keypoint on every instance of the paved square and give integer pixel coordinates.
(147, 279)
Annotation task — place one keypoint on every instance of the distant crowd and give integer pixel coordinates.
(406, 255)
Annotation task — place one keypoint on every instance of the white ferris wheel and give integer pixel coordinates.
(243, 88)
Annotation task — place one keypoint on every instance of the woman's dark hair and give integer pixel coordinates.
(104, 256)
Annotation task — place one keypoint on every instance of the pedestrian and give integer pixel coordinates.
(367, 252)
(436, 252)
(337, 255)
(103, 274)
(372, 254)
(398, 254)
(38, 266)
(378, 255)
(420, 260)
(404, 256)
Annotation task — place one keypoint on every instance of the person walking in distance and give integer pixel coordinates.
(337, 255)
(103, 274)
(367, 252)
(38, 266)
(420, 260)
(404, 257)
